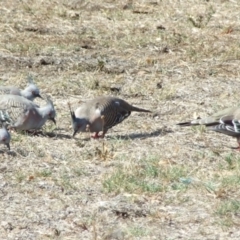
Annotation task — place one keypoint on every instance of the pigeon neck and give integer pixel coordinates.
(44, 111)
(27, 94)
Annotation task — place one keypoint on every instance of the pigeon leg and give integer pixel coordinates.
(97, 136)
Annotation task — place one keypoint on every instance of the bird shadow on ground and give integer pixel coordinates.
(235, 148)
(57, 135)
(47, 134)
(163, 131)
(133, 136)
(8, 152)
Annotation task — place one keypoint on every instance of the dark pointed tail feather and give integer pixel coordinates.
(211, 124)
(71, 112)
(136, 109)
(186, 124)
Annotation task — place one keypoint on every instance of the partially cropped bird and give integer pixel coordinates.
(30, 92)
(226, 121)
(19, 113)
(5, 136)
(101, 114)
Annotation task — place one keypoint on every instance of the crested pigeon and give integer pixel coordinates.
(30, 92)
(20, 113)
(5, 136)
(101, 114)
(226, 121)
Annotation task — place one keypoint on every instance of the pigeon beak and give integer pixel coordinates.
(53, 120)
(8, 146)
(74, 133)
(38, 95)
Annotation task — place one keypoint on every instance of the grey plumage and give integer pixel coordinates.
(20, 113)
(30, 92)
(101, 114)
(226, 121)
(5, 136)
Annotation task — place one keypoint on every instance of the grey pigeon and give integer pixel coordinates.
(101, 114)
(226, 121)
(20, 113)
(5, 136)
(30, 92)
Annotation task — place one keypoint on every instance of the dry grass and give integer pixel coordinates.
(149, 179)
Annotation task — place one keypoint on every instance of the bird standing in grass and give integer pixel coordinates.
(30, 92)
(21, 114)
(101, 114)
(226, 122)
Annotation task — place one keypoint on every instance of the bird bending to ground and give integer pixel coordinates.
(5, 136)
(226, 121)
(21, 114)
(30, 92)
(101, 114)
